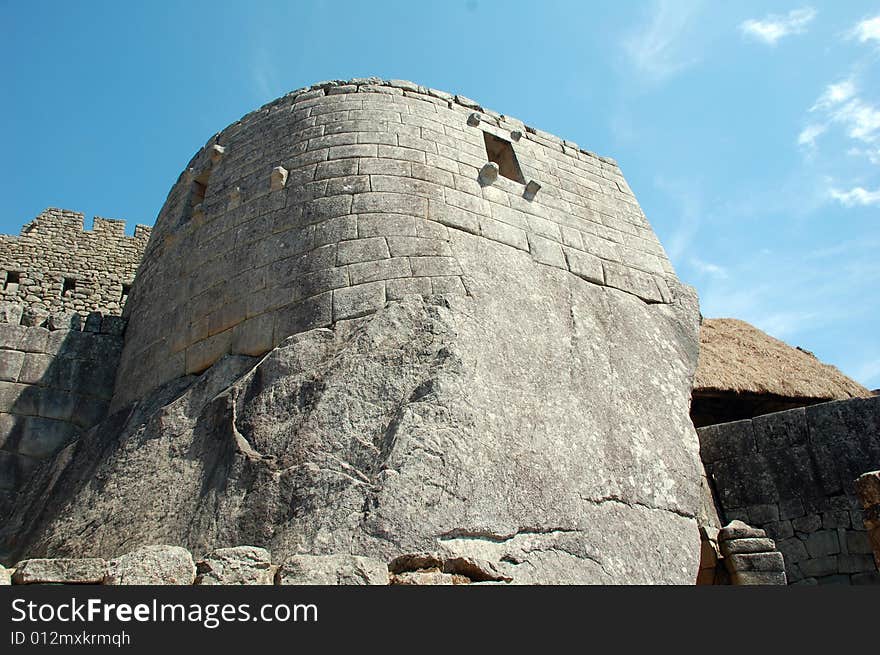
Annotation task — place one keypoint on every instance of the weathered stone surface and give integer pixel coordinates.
(750, 545)
(5, 576)
(548, 490)
(332, 570)
(739, 530)
(240, 565)
(152, 565)
(514, 412)
(423, 578)
(61, 570)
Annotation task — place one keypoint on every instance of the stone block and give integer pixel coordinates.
(779, 529)
(422, 578)
(807, 524)
(747, 545)
(504, 233)
(856, 563)
(240, 565)
(34, 340)
(454, 217)
(371, 225)
(10, 312)
(43, 437)
(397, 289)
(819, 566)
(10, 365)
(384, 269)
(834, 579)
(739, 530)
(338, 228)
(11, 336)
(772, 561)
(332, 570)
(451, 284)
(277, 178)
(434, 266)
(793, 550)
(202, 354)
(780, 429)
(305, 315)
(405, 246)
(361, 250)
(5, 576)
(585, 266)
(821, 543)
(835, 519)
(791, 508)
(60, 571)
(113, 325)
(358, 300)
(152, 565)
(764, 513)
(726, 441)
(638, 283)
(253, 336)
(390, 203)
(857, 542)
(56, 403)
(758, 578)
(93, 322)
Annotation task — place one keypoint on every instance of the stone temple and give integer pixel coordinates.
(377, 330)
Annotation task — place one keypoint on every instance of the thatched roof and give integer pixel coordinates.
(736, 357)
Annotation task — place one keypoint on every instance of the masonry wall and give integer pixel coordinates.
(792, 473)
(54, 247)
(328, 202)
(56, 381)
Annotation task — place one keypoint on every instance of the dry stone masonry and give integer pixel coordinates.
(792, 475)
(331, 200)
(55, 265)
(376, 320)
(56, 381)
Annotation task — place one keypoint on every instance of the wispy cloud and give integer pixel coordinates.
(868, 29)
(708, 268)
(659, 48)
(810, 133)
(774, 27)
(856, 197)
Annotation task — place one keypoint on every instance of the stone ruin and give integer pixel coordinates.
(382, 333)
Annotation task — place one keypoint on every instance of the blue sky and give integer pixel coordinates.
(749, 131)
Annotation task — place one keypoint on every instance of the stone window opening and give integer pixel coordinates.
(501, 152)
(197, 191)
(68, 287)
(13, 278)
(126, 289)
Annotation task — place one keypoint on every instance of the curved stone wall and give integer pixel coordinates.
(328, 202)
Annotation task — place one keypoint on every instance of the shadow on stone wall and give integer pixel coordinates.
(56, 379)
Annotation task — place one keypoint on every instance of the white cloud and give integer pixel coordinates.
(708, 268)
(774, 27)
(834, 94)
(868, 30)
(810, 133)
(857, 196)
(658, 48)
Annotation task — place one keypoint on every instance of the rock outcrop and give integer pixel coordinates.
(539, 424)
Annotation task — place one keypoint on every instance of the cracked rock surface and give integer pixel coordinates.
(539, 424)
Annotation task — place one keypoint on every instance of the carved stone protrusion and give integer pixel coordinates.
(532, 189)
(474, 119)
(489, 173)
(217, 152)
(278, 178)
(515, 135)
